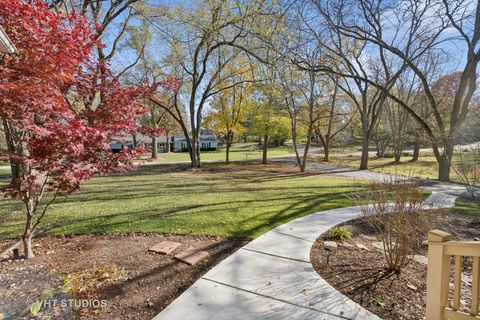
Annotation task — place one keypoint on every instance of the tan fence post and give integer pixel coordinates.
(437, 274)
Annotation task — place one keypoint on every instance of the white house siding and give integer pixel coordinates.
(178, 143)
(6, 45)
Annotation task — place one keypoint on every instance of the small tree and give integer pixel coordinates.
(334, 115)
(59, 108)
(270, 126)
(230, 108)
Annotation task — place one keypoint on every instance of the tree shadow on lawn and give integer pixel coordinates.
(201, 218)
(234, 176)
(275, 169)
(124, 190)
(293, 211)
(131, 189)
(250, 176)
(86, 197)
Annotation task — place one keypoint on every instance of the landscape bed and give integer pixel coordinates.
(361, 274)
(133, 282)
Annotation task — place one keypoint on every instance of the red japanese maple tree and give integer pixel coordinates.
(59, 108)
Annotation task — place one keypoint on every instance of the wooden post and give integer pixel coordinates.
(437, 274)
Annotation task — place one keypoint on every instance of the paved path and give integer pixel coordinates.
(272, 277)
(469, 146)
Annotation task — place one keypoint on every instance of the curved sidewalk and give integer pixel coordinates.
(272, 277)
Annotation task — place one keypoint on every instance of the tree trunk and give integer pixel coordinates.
(154, 148)
(326, 152)
(227, 154)
(168, 143)
(27, 245)
(27, 235)
(378, 148)
(416, 150)
(445, 163)
(294, 140)
(443, 169)
(326, 147)
(134, 138)
(193, 152)
(366, 135)
(190, 147)
(199, 164)
(265, 149)
(229, 144)
(196, 149)
(381, 151)
(11, 148)
(303, 164)
(364, 159)
(398, 155)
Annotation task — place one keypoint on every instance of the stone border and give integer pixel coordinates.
(272, 277)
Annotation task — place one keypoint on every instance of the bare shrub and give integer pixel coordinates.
(467, 169)
(399, 219)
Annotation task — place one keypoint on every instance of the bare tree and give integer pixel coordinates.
(408, 89)
(335, 115)
(350, 61)
(202, 41)
(415, 29)
(113, 20)
(368, 101)
(300, 93)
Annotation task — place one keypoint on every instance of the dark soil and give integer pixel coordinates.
(361, 275)
(133, 282)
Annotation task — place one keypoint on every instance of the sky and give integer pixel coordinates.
(456, 49)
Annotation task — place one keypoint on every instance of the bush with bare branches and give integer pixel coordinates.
(399, 219)
(467, 169)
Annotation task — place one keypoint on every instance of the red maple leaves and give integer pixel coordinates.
(59, 105)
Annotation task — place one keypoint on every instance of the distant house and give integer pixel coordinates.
(208, 141)
(178, 143)
(128, 141)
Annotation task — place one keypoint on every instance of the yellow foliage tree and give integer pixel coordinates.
(230, 108)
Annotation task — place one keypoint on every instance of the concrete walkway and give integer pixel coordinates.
(272, 277)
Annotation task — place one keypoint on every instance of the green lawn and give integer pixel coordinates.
(5, 172)
(467, 207)
(241, 202)
(239, 152)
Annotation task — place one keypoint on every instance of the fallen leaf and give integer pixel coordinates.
(412, 287)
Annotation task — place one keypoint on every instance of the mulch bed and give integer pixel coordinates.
(361, 274)
(119, 269)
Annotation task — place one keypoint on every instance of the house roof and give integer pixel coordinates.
(6, 44)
